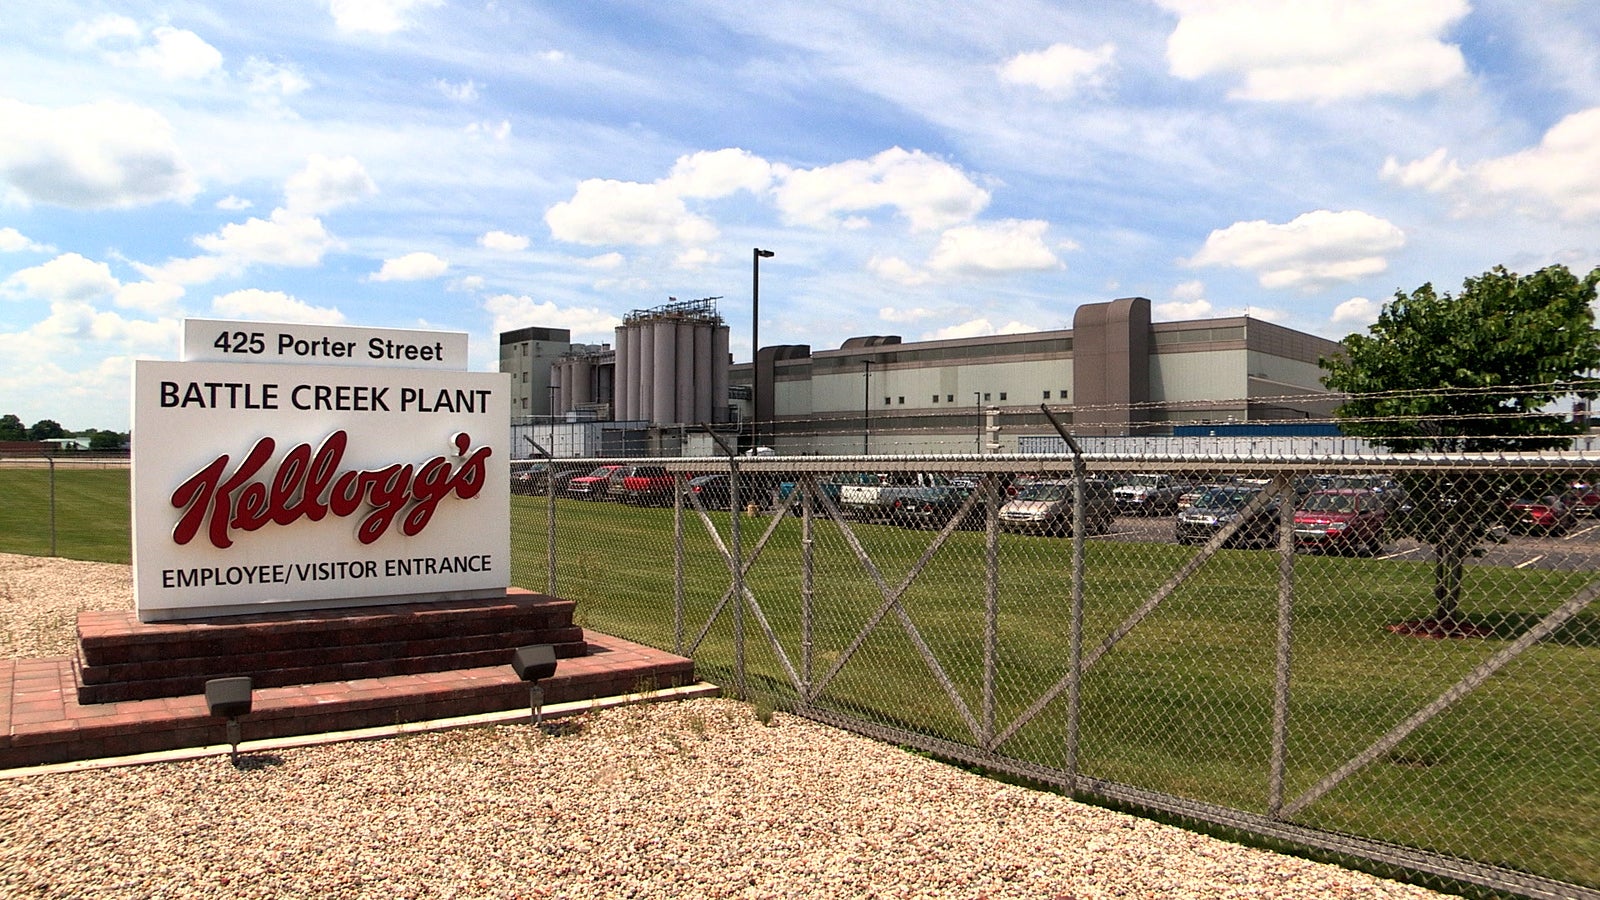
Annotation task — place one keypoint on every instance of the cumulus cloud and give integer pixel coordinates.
(150, 296)
(512, 311)
(498, 131)
(900, 316)
(1357, 311)
(977, 328)
(68, 277)
(171, 53)
(1312, 251)
(326, 184)
(253, 304)
(719, 173)
(14, 241)
(893, 268)
(1434, 172)
(603, 261)
(1561, 174)
(418, 266)
(465, 92)
(695, 258)
(603, 211)
(94, 156)
(231, 203)
(264, 76)
(284, 239)
(1010, 245)
(1188, 302)
(1059, 68)
(1319, 50)
(928, 192)
(376, 16)
(503, 241)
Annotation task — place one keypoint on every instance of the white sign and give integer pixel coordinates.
(216, 340)
(261, 487)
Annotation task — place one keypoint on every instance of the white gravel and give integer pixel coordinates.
(695, 798)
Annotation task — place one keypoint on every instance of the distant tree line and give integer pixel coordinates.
(12, 429)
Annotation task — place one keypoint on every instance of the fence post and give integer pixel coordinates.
(1080, 478)
(991, 600)
(1280, 690)
(549, 514)
(807, 484)
(735, 507)
(678, 489)
(52, 461)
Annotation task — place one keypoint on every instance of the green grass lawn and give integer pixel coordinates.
(1183, 705)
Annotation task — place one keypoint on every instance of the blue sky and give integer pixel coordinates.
(923, 169)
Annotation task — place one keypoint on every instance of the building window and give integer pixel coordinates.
(986, 397)
(936, 398)
(1063, 393)
(902, 401)
(1002, 395)
(1047, 395)
(949, 398)
(886, 401)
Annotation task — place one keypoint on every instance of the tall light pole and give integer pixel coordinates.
(866, 409)
(977, 401)
(554, 389)
(756, 255)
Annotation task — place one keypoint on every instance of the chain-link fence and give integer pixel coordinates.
(73, 504)
(1391, 660)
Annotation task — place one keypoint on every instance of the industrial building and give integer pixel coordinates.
(1114, 373)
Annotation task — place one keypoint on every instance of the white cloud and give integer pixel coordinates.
(14, 241)
(497, 130)
(172, 53)
(417, 266)
(263, 76)
(695, 258)
(1060, 68)
(1357, 311)
(1435, 172)
(977, 328)
(94, 156)
(465, 92)
(1178, 310)
(1011, 245)
(1314, 250)
(901, 316)
(603, 261)
(468, 283)
(325, 184)
(928, 192)
(1318, 50)
(231, 203)
(512, 311)
(68, 277)
(719, 173)
(602, 211)
(1562, 173)
(253, 304)
(893, 268)
(376, 16)
(503, 241)
(286, 239)
(150, 296)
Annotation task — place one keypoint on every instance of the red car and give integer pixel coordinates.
(593, 486)
(1548, 515)
(1344, 520)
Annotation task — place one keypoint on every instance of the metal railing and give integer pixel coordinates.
(1391, 660)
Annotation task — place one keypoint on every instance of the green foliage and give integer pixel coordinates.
(1471, 372)
(45, 429)
(12, 429)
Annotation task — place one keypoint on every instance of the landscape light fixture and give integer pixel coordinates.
(756, 256)
(229, 698)
(533, 664)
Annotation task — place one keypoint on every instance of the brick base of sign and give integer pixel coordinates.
(408, 663)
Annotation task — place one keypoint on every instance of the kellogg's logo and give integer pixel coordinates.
(309, 485)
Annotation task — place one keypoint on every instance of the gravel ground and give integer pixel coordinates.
(695, 798)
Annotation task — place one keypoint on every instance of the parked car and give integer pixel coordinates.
(1342, 520)
(713, 491)
(534, 479)
(648, 486)
(932, 506)
(1585, 498)
(829, 486)
(1046, 507)
(1547, 514)
(876, 500)
(1149, 494)
(594, 486)
(1218, 507)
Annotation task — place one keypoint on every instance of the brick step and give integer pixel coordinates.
(304, 667)
(113, 638)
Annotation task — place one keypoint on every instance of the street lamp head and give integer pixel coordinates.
(764, 254)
